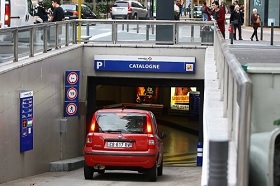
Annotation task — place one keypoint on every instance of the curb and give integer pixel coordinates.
(67, 165)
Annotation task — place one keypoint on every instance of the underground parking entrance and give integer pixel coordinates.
(176, 103)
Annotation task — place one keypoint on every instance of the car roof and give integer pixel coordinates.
(118, 110)
(72, 5)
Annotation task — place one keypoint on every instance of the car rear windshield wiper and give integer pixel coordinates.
(115, 130)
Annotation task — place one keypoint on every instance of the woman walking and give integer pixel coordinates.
(236, 19)
(256, 22)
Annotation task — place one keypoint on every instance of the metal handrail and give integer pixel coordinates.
(45, 27)
(236, 94)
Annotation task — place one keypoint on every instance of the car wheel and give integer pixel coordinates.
(135, 17)
(152, 173)
(160, 168)
(88, 172)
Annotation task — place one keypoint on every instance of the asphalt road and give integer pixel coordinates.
(179, 176)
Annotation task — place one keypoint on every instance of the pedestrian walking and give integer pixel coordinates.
(58, 13)
(219, 17)
(256, 22)
(205, 14)
(40, 12)
(223, 6)
(177, 10)
(236, 19)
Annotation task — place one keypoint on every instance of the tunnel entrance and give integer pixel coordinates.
(180, 145)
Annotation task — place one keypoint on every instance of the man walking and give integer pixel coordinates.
(58, 13)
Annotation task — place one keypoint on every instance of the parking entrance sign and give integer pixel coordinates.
(71, 99)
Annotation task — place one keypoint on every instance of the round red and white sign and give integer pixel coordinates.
(71, 109)
(72, 93)
(72, 78)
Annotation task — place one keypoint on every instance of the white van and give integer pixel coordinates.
(14, 13)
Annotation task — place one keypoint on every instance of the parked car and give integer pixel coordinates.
(124, 139)
(197, 12)
(128, 10)
(14, 13)
(71, 11)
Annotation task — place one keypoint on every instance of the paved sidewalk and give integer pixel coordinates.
(247, 33)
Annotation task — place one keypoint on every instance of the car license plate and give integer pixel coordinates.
(119, 144)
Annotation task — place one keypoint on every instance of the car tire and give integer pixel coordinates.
(160, 169)
(135, 17)
(88, 172)
(152, 173)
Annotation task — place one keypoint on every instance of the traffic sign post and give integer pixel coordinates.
(71, 99)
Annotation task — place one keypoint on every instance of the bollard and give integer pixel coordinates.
(87, 29)
(218, 161)
(231, 33)
(272, 32)
(261, 30)
(199, 157)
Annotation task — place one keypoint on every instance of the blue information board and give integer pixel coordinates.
(26, 121)
(144, 64)
(71, 100)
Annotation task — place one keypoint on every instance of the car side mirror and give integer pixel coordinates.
(162, 134)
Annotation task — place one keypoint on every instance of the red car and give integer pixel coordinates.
(124, 139)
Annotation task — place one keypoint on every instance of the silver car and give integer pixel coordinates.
(128, 10)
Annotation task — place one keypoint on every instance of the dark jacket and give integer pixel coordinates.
(254, 19)
(237, 16)
(219, 16)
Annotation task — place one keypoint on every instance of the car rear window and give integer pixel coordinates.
(197, 8)
(122, 122)
(68, 7)
(120, 4)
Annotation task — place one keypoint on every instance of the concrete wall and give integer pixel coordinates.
(144, 50)
(265, 101)
(44, 74)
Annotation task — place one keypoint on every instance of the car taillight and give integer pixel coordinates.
(149, 128)
(129, 8)
(89, 139)
(7, 17)
(76, 13)
(93, 124)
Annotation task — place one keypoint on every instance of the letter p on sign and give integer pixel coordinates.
(99, 64)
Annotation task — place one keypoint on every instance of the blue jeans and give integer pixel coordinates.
(204, 17)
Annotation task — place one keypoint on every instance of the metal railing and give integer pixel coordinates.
(236, 93)
(24, 39)
(27, 41)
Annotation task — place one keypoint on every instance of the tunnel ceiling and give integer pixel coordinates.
(94, 81)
